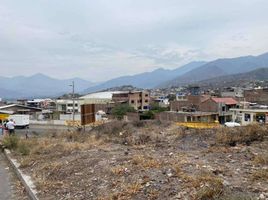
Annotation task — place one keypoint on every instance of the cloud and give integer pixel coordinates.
(101, 39)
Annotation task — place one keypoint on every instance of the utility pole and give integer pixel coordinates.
(73, 104)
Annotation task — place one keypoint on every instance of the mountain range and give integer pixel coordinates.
(148, 79)
(240, 80)
(219, 67)
(40, 85)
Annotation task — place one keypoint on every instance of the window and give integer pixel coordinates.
(146, 95)
(146, 100)
(223, 108)
(132, 101)
(247, 117)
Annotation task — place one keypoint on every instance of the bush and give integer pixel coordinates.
(11, 142)
(23, 148)
(120, 110)
(243, 135)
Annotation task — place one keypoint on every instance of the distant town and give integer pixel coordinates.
(178, 104)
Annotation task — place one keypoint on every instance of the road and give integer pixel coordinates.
(10, 188)
(41, 130)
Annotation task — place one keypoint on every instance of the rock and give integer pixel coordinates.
(262, 196)
(226, 183)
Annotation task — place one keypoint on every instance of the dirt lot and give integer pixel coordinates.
(149, 160)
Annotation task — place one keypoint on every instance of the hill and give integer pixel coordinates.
(219, 67)
(147, 79)
(38, 85)
(242, 79)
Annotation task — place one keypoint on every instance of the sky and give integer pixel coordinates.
(101, 39)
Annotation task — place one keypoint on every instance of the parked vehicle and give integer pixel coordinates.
(21, 121)
(232, 124)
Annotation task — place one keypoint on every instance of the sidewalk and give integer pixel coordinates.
(6, 188)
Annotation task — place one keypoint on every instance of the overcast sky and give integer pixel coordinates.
(102, 39)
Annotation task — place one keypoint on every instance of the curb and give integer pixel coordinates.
(25, 180)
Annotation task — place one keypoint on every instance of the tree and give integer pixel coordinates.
(120, 110)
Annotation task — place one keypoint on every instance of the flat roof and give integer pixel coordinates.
(101, 95)
(250, 110)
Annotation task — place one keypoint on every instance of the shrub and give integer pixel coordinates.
(245, 135)
(120, 110)
(23, 148)
(10, 142)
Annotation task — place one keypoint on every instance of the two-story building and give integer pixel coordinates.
(139, 100)
(221, 106)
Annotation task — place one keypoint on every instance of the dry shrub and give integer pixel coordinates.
(10, 142)
(145, 162)
(260, 174)
(242, 135)
(261, 159)
(210, 187)
(112, 128)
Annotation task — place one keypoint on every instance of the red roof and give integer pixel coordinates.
(227, 100)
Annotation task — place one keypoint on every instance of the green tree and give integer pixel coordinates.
(120, 110)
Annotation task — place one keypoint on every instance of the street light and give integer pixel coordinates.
(72, 85)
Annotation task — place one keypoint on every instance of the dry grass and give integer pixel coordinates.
(261, 159)
(145, 162)
(259, 175)
(241, 135)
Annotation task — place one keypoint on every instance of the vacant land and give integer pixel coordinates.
(149, 160)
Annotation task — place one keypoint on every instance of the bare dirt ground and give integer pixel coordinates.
(149, 160)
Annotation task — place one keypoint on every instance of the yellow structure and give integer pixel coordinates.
(4, 116)
(199, 125)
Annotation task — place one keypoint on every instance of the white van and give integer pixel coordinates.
(21, 121)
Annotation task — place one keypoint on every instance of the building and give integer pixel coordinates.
(162, 101)
(19, 109)
(248, 116)
(189, 103)
(205, 117)
(221, 106)
(66, 106)
(41, 103)
(139, 100)
(234, 92)
(99, 97)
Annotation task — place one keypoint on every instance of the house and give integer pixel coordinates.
(187, 103)
(248, 116)
(20, 109)
(203, 117)
(66, 105)
(41, 103)
(221, 106)
(139, 100)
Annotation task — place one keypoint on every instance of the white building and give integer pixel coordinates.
(66, 105)
(99, 97)
(248, 116)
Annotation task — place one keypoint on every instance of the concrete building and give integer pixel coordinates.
(221, 106)
(99, 97)
(41, 103)
(206, 117)
(66, 106)
(234, 92)
(248, 116)
(189, 103)
(139, 100)
(19, 109)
